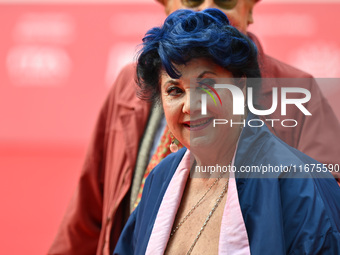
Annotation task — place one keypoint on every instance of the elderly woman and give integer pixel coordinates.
(179, 64)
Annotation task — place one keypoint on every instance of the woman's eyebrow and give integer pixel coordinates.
(174, 82)
(206, 72)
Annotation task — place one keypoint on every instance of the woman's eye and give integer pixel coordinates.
(207, 83)
(174, 91)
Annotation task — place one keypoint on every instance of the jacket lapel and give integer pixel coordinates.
(259, 198)
(123, 147)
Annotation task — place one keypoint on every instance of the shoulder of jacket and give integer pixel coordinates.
(279, 69)
(168, 165)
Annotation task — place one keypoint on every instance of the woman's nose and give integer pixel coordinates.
(186, 104)
(192, 103)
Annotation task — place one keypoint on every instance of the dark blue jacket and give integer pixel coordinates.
(283, 214)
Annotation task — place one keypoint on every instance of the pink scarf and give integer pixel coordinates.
(233, 235)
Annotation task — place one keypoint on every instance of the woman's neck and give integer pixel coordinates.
(209, 164)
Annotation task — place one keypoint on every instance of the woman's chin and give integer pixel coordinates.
(202, 144)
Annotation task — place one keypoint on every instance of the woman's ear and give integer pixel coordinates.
(242, 84)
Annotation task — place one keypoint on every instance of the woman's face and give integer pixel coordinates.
(181, 99)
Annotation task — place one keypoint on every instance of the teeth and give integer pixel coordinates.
(200, 123)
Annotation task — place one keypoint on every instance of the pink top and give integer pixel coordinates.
(233, 235)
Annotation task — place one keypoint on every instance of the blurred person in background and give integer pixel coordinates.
(131, 137)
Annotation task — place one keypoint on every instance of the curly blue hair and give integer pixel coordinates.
(185, 35)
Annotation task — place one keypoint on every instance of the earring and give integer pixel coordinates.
(173, 145)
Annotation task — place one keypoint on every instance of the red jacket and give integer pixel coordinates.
(99, 208)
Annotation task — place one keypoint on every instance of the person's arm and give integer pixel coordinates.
(80, 229)
(81, 226)
(320, 134)
(311, 214)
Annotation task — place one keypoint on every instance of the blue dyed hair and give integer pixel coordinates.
(187, 34)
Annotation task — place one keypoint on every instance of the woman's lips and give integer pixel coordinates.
(199, 124)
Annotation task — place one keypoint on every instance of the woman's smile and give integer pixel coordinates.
(199, 124)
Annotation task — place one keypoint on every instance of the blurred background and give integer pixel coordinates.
(58, 60)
